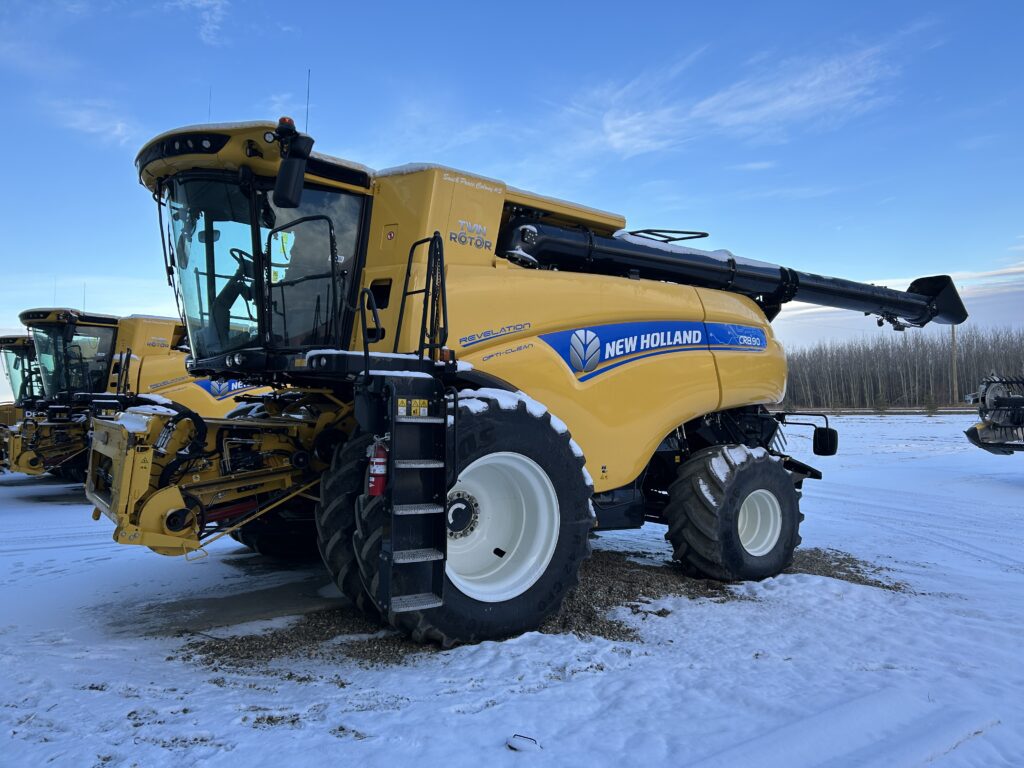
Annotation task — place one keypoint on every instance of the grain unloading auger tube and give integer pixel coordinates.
(651, 254)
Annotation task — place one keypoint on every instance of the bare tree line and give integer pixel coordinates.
(901, 370)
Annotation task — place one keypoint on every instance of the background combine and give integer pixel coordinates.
(1000, 402)
(604, 378)
(79, 362)
(18, 360)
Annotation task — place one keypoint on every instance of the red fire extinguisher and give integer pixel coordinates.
(378, 475)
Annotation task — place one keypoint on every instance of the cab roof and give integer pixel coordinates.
(12, 342)
(65, 315)
(176, 150)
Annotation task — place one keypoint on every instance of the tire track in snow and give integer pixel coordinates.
(925, 525)
(896, 726)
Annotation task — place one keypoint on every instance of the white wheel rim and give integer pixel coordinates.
(760, 522)
(517, 515)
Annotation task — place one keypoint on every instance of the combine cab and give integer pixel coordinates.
(1000, 404)
(604, 378)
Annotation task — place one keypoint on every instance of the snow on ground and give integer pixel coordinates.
(811, 671)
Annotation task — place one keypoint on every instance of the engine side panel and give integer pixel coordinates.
(622, 362)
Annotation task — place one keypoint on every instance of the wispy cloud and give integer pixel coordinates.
(800, 91)
(661, 109)
(96, 118)
(277, 104)
(806, 192)
(632, 117)
(211, 16)
(982, 141)
(34, 58)
(757, 165)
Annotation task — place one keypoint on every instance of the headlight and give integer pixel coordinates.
(238, 358)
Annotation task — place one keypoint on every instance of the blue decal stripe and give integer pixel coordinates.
(617, 363)
(639, 355)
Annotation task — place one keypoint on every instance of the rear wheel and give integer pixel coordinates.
(518, 521)
(733, 514)
(285, 533)
(280, 537)
(73, 470)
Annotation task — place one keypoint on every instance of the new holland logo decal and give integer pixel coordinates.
(592, 351)
(222, 389)
(584, 351)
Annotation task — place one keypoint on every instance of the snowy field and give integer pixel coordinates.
(98, 660)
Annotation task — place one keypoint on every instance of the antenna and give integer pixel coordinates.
(308, 73)
(209, 105)
(55, 290)
(83, 295)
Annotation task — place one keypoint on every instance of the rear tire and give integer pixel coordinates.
(73, 470)
(523, 476)
(281, 538)
(733, 514)
(286, 533)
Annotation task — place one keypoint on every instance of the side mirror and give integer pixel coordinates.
(295, 150)
(825, 442)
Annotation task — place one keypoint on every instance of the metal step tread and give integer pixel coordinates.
(424, 555)
(418, 509)
(420, 419)
(418, 464)
(420, 602)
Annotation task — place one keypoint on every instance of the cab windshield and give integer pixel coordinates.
(18, 367)
(75, 360)
(210, 228)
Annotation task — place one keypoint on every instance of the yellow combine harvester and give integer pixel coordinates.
(18, 360)
(604, 378)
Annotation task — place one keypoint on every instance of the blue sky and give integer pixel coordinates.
(874, 141)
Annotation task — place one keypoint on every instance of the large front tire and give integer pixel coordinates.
(340, 486)
(518, 518)
(733, 514)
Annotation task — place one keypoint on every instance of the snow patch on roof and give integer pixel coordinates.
(559, 201)
(719, 254)
(343, 162)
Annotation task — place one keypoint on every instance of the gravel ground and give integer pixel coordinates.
(608, 580)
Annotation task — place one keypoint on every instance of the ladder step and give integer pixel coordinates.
(418, 464)
(420, 419)
(420, 602)
(424, 555)
(418, 509)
